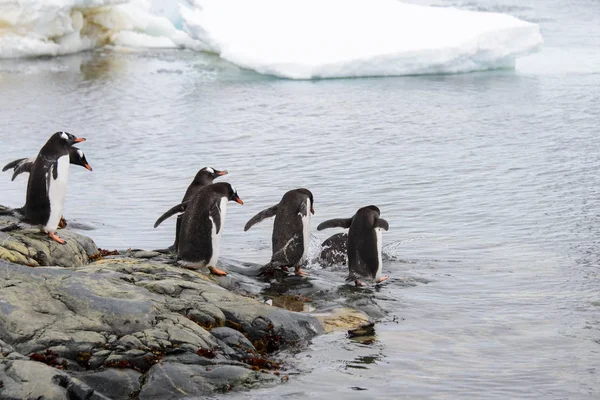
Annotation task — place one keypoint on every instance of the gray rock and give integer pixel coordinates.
(130, 342)
(31, 380)
(177, 381)
(114, 383)
(31, 247)
(232, 338)
(171, 332)
(174, 381)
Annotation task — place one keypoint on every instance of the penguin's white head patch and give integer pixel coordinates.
(80, 153)
(210, 170)
(233, 189)
(64, 136)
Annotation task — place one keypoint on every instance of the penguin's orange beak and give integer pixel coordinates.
(79, 140)
(88, 167)
(221, 173)
(312, 209)
(239, 200)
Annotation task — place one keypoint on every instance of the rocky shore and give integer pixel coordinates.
(78, 322)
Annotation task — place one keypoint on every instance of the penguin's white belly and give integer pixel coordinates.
(216, 237)
(57, 191)
(379, 263)
(306, 232)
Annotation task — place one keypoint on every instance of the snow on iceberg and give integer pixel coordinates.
(304, 39)
(30, 28)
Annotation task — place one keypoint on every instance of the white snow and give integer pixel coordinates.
(298, 39)
(303, 39)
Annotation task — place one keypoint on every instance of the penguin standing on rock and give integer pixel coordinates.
(202, 225)
(203, 178)
(76, 157)
(364, 243)
(47, 184)
(291, 230)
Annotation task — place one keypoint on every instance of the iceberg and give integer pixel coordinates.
(33, 28)
(307, 39)
(296, 39)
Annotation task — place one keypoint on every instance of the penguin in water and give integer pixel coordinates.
(76, 157)
(291, 230)
(364, 243)
(202, 225)
(47, 184)
(203, 178)
(334, 249)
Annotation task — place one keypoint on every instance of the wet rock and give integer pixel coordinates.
(174, 381)
(232, 338)
(177, 381)
(342, 319)
(117, 384)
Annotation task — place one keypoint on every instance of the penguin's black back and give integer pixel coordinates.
(195, 236)
(288, 228)
(363, 255)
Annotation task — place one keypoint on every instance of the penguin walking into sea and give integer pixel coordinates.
(22, 165)
(203, 178)
(202, 225)
(364, 243)
(47, 184)
(291, 230)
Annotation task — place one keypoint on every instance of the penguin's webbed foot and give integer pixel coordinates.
(216, 271)
(383, 278)
(299, 272)
(358, 282)
(54, 236)
(62, 223)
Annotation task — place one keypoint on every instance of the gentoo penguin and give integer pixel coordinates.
(291, 230)
(47, 184)
(334, 249)
(76, 157)
(202, 225)
(203, 178)
(364, 243)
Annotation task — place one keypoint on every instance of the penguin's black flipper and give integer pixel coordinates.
(268, 213)
(12, 164)
(19, 166)
(179, 208)
(215, 214)
(382, 223)
(335, 223)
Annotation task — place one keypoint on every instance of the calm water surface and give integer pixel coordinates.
(489, 182)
